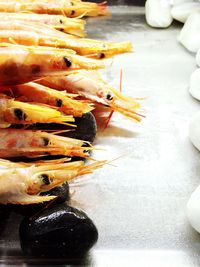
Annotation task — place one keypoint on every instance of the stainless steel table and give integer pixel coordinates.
(138, 205)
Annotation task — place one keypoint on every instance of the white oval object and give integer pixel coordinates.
(158, 13)
(183, 11)
(194, 89)
(189, 36)
(193, 209)
(194, 130)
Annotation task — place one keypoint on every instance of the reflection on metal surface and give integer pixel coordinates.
(144, 258)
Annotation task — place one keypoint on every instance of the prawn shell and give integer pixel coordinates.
(16, 112)
(38, 144)
(68, 8)
(34, 92)
(69, 25)
(20, 64)
(22, 183)
(92, 87)
(19, 32)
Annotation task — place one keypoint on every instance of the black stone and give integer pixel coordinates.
(86, 128)
(57, 231)
(62, 193)
(19, 114)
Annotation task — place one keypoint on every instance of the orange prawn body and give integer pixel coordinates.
(21, 183)
(69, 25)
(34, 92)
(69, 8)
(91, 86)
(41, 35)
(16, 112)
(20, 64)
(38, 143)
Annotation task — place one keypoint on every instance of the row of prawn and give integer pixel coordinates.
(48, 75)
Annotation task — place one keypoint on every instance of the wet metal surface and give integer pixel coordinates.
(138, 205)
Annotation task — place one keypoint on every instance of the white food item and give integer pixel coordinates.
(158, 13)
(183, 11)
(194, 130)
(194, 89)
(190, 33)
(193, 209)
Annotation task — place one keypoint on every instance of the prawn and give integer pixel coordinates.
(22, 183)
(41, 35)
(16, 112)
(39, 143)
(20, 64)
(72, 26)
(91, 86)
(34, 92)
(69, 8)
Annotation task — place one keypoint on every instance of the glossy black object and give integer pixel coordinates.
(86, 128)
(57, 231)
(62, 193)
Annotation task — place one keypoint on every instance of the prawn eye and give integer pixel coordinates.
(67, 62)
(61, 22)
(45, 179)
(102, 55)
(109, 96)
(72, 13)
(19, 114)
(36, 69)
(59, 102)
(85, 145)
(45, 141)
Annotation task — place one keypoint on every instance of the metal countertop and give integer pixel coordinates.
(139, 205)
